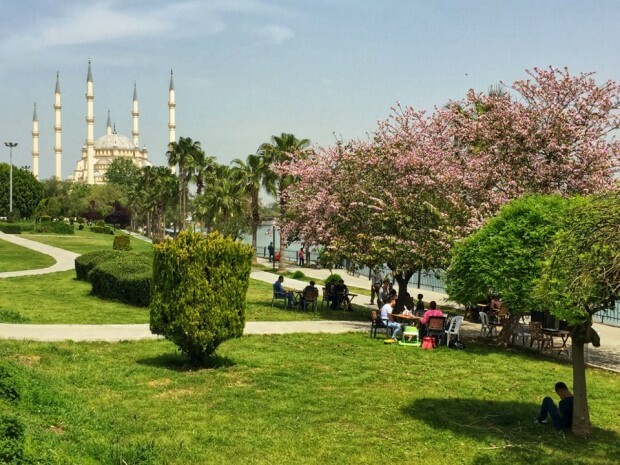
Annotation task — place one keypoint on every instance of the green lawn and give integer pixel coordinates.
(15, 258)
(84, 241)
(302, 399)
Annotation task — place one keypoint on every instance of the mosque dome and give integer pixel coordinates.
(114, 141)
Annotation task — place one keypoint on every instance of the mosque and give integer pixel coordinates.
(97, 155)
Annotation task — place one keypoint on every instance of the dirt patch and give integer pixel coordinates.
(29, 360)
(57, 429)
(175, 393)
(159, 382)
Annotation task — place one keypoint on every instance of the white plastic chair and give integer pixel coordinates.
(453, 329)
(486, 329)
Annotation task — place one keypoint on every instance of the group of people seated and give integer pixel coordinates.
(309, 293)
(387, 312)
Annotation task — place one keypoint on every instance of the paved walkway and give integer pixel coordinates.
(607, 356)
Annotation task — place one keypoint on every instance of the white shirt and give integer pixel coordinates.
(385, 311)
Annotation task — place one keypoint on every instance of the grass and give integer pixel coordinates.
(85, 241)
(59, 298)
(303, 399)
(15, 258)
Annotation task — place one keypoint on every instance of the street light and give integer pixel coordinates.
(10, 145)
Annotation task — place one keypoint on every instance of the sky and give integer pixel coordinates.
(245, 70)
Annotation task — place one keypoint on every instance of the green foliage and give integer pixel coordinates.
(13, 216)
(199, 291)
(27, 191)
(81, 227)
(333, 278)
(581, 273)
(298, 275)
(44, 218)
(505, 256)
(12, 439)
(10, 316)
(100, 223)
(101, 229)
(84, 264)
(11, 228)
(55, 227)
(126, 278)
(121, 242)
(9, 389)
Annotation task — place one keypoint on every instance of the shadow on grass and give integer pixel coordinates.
(181, 362)
(506, 433)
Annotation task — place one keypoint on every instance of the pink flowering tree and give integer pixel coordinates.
(423, 181)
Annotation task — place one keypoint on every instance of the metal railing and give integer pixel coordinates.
(610, 316)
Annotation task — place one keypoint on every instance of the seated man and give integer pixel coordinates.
(340, 294)
(386, 317)
(279, 291)
(562, 414)
(432, 311)
(310, 288)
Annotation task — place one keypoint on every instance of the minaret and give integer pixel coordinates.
(35, 143)
(90, 127)
(108, 126)
(135, 113)
(172, 126)
(57, 129)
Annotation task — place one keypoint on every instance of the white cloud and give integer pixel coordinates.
(276, 34)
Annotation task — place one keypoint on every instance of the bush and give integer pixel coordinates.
(44, 219)
(85, 263)
(13, 216)
(100, 229)
(11, 228)
(8, 385)
(333, 278)
(199, 290)
(298, 275)
(56, 227)
(11, 316)
(81, 227)
(12, 440)
(100, 223)
(121, 242)
(126, 278)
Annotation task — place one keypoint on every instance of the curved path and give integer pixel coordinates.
(65, 260)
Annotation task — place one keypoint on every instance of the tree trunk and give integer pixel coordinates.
(581, 413)
(281, 263)
(254, 242)
(402, 279)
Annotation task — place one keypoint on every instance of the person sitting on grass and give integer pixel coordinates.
(562, 414)
(386, 317)
(279, 291)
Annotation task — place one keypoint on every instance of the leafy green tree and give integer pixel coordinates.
(282, 149)
(123, 173)
(505, 256)
(199, 291)
(27, 191)
(582, 276)
(251, 175)
(156, 190)
(185, 153)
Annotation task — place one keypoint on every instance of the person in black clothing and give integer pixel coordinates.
(562, 414)
(270, 249)
(340, 294)
(419, 306)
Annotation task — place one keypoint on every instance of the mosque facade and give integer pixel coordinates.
(98, 154)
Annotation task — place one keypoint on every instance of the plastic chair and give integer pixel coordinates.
(486, 328)
(311, 298)
(435, 327)
(453, 329)
(377, 323)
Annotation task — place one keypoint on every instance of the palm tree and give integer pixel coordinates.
(251, 175)
(156, 189)
(186, 153)
(281, 149)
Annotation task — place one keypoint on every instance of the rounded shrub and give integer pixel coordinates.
(333, 278)
(44, 218)
(126, 278)
(199, 291)
(121, 242)
(85, 263)
(100, 223)
(298, 275)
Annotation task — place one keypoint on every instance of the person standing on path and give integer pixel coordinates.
(300, 256)
(375, 285)
(270, 251)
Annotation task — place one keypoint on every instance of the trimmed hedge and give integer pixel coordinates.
(11, 228)
(199, 291)
(85, 263)
(101, 229)
(56, 227)
(126, 278)
(121, 242)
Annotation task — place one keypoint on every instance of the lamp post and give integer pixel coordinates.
(273, 230)
(10, 145)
